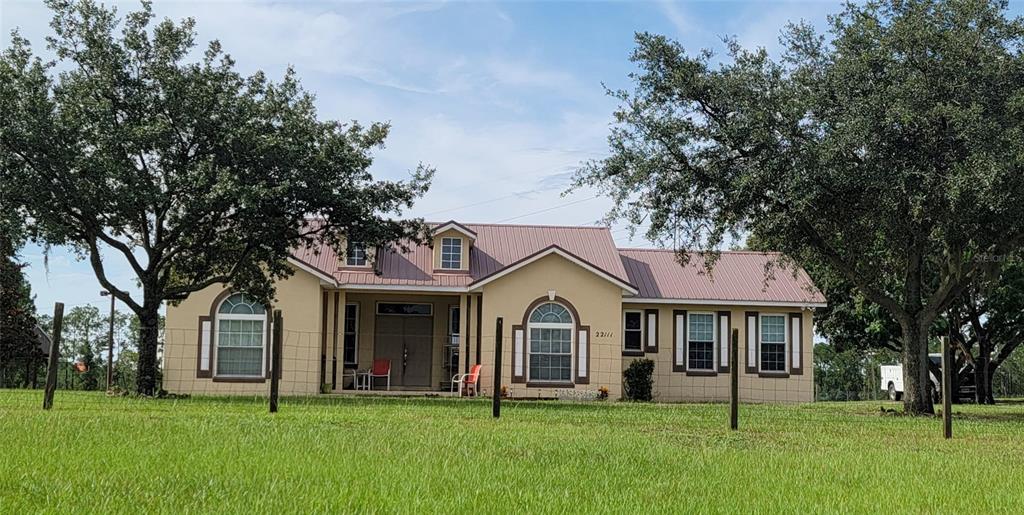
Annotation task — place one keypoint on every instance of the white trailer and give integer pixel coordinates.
(892, 379)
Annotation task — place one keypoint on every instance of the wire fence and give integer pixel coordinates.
(546, 365)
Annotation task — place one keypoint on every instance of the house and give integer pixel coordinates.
(576, 311)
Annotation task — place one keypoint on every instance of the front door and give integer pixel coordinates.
(407, 341)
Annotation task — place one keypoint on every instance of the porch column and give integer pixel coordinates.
(464, 305)
(325, 317)
(337, 354)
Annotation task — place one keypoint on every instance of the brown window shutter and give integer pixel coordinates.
(583, 354)
(796, 365)
(204, 348)
(679, 340)
(752, 331)
(724, 332)
(518, 354)
(651, 337)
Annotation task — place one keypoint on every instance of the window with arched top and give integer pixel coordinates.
(550, 328)
(241, 337)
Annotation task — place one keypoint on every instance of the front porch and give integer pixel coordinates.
(423, 336)
(392, 393)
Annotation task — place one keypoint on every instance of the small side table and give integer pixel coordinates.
(354, 374)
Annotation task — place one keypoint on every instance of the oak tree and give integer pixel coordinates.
(134, 144)
(889, 150)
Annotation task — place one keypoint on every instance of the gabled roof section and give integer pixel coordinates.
(453, 225)
(738, 277)
(496, 247)
(554, 250)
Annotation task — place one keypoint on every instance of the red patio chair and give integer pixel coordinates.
(468, 382)
(381, 368)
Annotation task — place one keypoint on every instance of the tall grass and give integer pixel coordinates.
(94, 453)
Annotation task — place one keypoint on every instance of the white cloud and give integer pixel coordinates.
(756, 27)
(503, 126)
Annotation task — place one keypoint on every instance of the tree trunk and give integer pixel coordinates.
(981, 376)
(987, 375)
(149, 321)
(917, 399)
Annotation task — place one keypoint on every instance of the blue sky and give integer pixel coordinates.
(504, 99)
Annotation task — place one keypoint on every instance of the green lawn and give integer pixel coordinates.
(95, 453)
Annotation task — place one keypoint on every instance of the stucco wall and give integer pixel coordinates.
(671, 386)
(298, 297)
(597, 301)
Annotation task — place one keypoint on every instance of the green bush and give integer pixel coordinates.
(638, 380)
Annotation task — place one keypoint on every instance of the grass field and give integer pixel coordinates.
(93, 453)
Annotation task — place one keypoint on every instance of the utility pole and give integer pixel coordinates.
(110, 343)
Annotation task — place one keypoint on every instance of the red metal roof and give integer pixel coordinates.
(496, 247)
(736, 276)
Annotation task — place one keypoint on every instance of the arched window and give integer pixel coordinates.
(241, 337)
(550, 329)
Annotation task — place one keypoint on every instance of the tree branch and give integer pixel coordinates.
(174, 293)
(101, 275)
(874, 294)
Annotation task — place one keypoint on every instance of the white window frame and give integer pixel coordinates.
(714, 335)
(355, 333)
(785, 340)
(642, 330)
(571, 326)
(356, 248)
(451, 242)
(216, 340)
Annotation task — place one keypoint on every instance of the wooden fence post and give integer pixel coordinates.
(496, 397)
(51, 366)
(275, 360)
(947, 389)
(734, 381)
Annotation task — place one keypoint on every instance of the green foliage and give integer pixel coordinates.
(135, 145)
(638, 380)
(84, 335)
(20, 356)
(201, 455)
(849, 374)
(889, 153)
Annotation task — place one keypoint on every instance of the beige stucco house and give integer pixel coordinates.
(576, 311)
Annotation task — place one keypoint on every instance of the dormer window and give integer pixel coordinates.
(451, 253)
(355, 254)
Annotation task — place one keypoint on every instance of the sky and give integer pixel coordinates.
(505, 100)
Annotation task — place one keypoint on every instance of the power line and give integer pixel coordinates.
(518, 174)
(482, 202)
(503, 197)
(567, 204)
